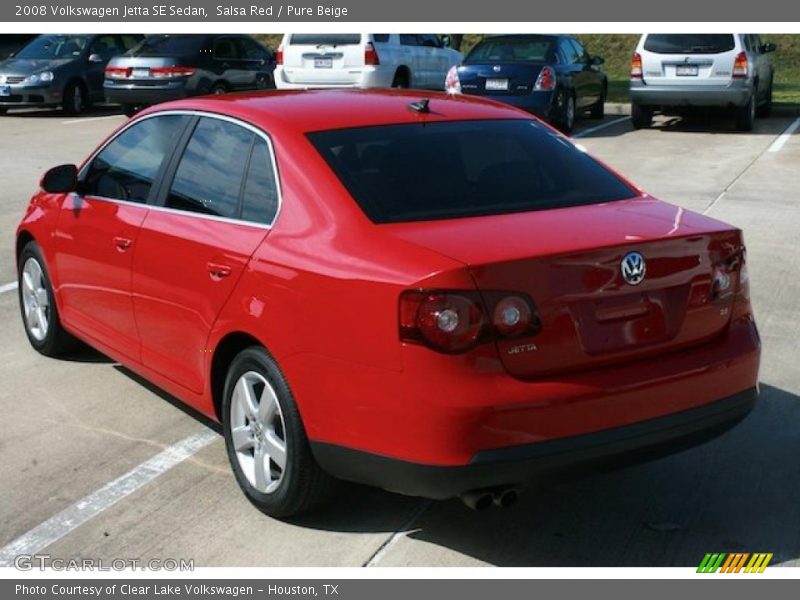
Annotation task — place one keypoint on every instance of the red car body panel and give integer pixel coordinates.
(320, 288)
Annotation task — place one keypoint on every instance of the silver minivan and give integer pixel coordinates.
(671, 71)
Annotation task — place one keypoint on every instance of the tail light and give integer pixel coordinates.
(170, 72)
(740, 66)
(371, 55)
(546, 82)
(118, 72)
(452, 84)
(279, 55)
(636, 66)
(731, 283)
(455, 321)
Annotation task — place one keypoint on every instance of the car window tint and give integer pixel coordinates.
(326, 39)
(251, 50)
(580, 51)
(107, 46)
(48, 47)
(569, 51)
(380, 38)
(225, 49)
(260, 199)
(689, 43)
(417, 172)
(126, 168)
(130, 41)
(209, 176)
(409, 39)
(510, 50)
(171, 45)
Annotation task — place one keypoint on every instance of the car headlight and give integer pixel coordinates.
(43, 77)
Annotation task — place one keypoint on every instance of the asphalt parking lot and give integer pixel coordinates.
(70, 427)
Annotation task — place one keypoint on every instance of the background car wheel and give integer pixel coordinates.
(218, 89)
(599, 110)
(3, 110)
(264, 82)
(567, 122)
(37, 305)
(74, 100)
(402, 79)
(266, 441)
(765, 109)
(641, 116)
(746, 115)
(129, 110)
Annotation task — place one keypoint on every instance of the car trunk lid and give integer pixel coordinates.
(499, 79)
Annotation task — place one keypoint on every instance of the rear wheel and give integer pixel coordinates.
(746, 115)
(402, 79)
(218, 89)
(266, 441)
(568, 114)
(765, 109)
(264, 82)
(598, 111)
(37, 305)
(74, 100)
(641, 116)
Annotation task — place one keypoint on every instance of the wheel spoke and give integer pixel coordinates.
(242, 438)
(244, 397)
(261, 466)
(276, 449)
(27, 282)
(41, 297)
(41, 317)
(267, 406)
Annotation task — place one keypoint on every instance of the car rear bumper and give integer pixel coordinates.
(733, 94)
(518, 465)
(541, 104)
(297, 78)
(122, 93)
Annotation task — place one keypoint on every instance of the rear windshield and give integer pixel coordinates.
(178, 45)
(326, 39)
(689, 43)
(444, 170)
(511, 50)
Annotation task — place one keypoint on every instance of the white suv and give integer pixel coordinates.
(725, 70)
(313, 60)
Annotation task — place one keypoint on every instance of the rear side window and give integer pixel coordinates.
(426, 171)
(260, 197)
(326, 39)
(126, 168)
(178, 45)
(209, 176)
(689, 43)
(380, 38)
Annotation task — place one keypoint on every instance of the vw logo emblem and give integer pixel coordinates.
(496, 68)
(633, 268)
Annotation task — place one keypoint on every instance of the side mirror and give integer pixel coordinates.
(769, 47)
(60, 180)
(445, 41)
(598, 60)
(95, 58)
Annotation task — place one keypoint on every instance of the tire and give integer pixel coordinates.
(746, 115)
(402, 79)
(273, 432)
(3, 110)
(74, 101)
(641, 116)
(129, 110)
(38, 306)
(765, 109)
(598, 111)
(264, 82)
(567, 121)
(218, 89)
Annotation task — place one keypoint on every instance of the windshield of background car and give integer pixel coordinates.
(326, 39)
(689, 43)
(169, 46)
(54, 46)
(511, 50)
(451, 169)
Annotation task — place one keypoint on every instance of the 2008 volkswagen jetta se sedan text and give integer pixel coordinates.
(440, 296)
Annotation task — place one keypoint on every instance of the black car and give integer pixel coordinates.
(169, 67)
(60, 70)
(551, 76)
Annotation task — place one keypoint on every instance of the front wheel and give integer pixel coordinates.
(74, 100)
(38, 306)
(765, 109)
(265, 439)
(598, 111)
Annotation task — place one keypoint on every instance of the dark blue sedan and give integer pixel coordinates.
(551, 76)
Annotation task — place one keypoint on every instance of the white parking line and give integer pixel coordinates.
(8, 287)
(92, 505)
(87, 119)
(784, 137)
(601, 126)
(402, 532)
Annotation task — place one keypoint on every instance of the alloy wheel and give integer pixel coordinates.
(35, 301)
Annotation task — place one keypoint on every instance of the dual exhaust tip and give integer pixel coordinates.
(480, 500)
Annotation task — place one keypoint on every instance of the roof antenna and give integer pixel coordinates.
(421, 106)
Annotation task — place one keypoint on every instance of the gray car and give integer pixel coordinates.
(60, 70)
(673, 71)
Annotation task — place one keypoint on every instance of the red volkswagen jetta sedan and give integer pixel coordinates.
(439, 296)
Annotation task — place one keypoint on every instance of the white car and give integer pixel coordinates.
(315, 60)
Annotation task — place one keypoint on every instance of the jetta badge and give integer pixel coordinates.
(633, 268)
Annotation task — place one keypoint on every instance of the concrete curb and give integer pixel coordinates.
(624, 108)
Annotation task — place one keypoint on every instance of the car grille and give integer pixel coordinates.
(14, 79)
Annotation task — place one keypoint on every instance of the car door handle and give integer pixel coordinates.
(122, 243)
(218, 271)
